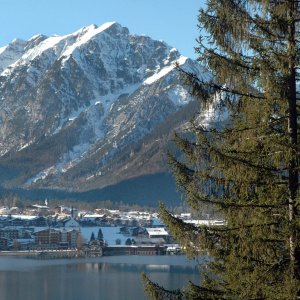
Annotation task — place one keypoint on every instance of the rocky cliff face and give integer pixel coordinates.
(88, 109)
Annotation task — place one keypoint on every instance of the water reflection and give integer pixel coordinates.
(110, 267)
(102, 278)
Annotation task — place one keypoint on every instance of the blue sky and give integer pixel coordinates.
(174, 21)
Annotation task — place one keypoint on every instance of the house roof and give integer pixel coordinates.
(205, 222)
(157, 231)
(93, 216)
(39, 206)
(22, 217)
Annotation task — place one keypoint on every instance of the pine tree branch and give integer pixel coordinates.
(243, 226)
(260, 23)
(231, 61)
(221, 202)
(157, 292)
(197, 292)
(245, 161)
(199, 90)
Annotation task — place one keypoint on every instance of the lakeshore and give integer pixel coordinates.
(57, 232)
(118, 250)
(36, 253)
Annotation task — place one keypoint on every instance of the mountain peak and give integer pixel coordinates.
(85, 34)
(92, 30)
(108, 25)
(83, 98)
(37, 37)
(18, 41)
(11, 53)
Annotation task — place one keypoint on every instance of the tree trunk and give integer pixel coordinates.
(292, 130)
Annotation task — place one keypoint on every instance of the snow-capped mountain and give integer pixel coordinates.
(79, 110)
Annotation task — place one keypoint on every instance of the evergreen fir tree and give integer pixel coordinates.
(128, 242)
(100, 235)
(247, 169)
(92, 237)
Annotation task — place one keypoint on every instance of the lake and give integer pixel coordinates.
(114, 277)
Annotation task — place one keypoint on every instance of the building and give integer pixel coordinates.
(157, 233)
(38, 208)
(56, 238)
(94, 219)
(134, 250)
(64, 210)
(9, 233)
(3, 243)
(22, 220)
(47, 238)
(70, 223)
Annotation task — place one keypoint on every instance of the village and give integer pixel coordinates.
(66, 231)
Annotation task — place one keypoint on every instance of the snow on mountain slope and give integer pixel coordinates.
(164, 71)
(97, 90)
(85, 35)
(11, 53)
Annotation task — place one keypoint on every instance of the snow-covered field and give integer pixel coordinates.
(110, 234)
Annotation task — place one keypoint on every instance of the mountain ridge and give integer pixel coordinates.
(74, 106)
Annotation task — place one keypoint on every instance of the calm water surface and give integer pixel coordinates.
(107, 278)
